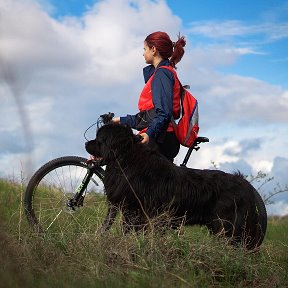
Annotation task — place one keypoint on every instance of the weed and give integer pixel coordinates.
(171, 258)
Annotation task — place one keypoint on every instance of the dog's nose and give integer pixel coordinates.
(90, 147)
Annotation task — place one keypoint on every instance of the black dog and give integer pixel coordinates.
(143, 184)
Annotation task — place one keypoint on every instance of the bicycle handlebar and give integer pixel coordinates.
(102, 120)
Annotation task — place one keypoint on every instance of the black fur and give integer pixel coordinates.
(143, 183)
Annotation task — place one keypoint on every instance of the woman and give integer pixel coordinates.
(160, 97)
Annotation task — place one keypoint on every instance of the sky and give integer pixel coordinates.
(63, 63)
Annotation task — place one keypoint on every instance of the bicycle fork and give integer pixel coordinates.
(78, 198)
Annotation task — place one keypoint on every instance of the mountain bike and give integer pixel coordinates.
(67, 195)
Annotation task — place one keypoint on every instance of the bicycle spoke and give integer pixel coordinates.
(54, 220)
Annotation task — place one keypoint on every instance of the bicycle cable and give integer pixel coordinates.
(89, 128)
(102, 120)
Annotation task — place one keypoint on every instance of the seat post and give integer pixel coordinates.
(187, 156)
(195, 146)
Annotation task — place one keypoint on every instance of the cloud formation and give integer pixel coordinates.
(233, 28)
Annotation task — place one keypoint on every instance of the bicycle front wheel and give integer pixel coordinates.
(51, 188)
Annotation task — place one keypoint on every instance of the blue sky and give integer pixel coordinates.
(271, 64)
(60, 63)
(270, 61)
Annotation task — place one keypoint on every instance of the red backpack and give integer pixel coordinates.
(186, 128)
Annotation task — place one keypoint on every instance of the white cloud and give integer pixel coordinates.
(233, 28)
(279, 208)
(263, 165)
(29, 37)
(39, 111)
(244, 100)
(114, 46)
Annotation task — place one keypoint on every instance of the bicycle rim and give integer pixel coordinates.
(49, 191)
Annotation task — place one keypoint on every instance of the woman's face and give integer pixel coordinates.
(148, 53)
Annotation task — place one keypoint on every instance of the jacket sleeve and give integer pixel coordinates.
(129, 120)
(162, 93)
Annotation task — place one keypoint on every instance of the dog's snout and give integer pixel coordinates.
(90, 147)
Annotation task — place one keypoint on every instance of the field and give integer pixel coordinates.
(191, 258)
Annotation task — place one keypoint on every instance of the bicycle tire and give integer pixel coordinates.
(47, 193)
(262, 217)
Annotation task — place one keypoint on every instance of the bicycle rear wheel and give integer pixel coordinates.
(51, 188)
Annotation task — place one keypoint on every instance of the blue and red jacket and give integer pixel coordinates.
(162, 92)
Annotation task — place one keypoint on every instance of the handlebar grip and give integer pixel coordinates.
(106, 118)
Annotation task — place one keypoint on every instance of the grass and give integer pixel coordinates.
(192, 259)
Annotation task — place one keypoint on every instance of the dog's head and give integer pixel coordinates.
(112, 140)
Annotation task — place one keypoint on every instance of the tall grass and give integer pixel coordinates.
(192, 259)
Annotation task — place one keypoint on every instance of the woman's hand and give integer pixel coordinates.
(144, 135)
(116, 120)
(145, 138)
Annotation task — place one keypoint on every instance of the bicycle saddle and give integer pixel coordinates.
(201, 140)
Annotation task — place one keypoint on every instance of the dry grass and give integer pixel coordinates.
(192, 258)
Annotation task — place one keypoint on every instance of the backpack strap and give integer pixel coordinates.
(182, 91)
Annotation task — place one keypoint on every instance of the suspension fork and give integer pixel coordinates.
(78, 198)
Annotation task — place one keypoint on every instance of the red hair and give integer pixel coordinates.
(166, 48)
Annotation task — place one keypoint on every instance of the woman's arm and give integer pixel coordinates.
(162, 93)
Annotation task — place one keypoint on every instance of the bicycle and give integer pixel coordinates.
(55, 195)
